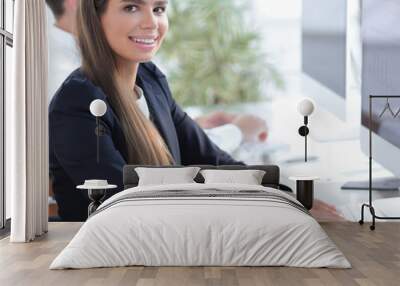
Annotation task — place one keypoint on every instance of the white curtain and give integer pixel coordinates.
(27, 124)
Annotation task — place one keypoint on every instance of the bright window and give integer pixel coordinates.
(6, 44)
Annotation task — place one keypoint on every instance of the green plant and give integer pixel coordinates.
(212, 55)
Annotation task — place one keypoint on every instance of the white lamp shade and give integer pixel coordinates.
(305, 107)
(98, 107)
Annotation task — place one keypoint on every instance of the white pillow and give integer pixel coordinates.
(248, 177)
(162, 176)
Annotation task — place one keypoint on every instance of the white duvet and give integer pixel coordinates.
(202, 231)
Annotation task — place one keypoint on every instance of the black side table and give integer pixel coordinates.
(96, 193)
(305, 190)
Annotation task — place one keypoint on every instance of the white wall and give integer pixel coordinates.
(279, 23)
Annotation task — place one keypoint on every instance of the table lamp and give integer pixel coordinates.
(98, 108)
(305, 107)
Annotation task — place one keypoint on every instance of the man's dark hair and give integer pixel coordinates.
(57, 6)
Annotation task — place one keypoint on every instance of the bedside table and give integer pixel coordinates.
(305, 189)
(96, 193)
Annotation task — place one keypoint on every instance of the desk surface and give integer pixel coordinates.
(335, 162)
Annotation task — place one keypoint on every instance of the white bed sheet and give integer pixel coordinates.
(200, 232)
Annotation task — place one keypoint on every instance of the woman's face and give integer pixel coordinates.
(135, 29)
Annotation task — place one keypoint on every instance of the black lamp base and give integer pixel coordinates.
(305, 192)
(96, 196)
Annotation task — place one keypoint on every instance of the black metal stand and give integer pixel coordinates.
(99, 131)
(370, 205)
(304, 131)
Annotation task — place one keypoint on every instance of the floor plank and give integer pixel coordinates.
(375, 257)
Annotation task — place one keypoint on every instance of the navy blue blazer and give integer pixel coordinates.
(72, 142)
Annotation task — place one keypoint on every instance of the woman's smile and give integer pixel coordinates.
(145, 43)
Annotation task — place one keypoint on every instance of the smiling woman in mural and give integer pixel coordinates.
(144, 125)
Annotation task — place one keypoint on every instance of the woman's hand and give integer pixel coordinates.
(215, 119)
(254, 129)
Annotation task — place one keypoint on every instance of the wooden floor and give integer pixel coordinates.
(375, 257)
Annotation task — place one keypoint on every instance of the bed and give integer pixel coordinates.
(201, 224)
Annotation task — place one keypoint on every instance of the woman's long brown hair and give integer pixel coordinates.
(144, 143)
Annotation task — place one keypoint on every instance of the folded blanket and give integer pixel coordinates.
(205, 193)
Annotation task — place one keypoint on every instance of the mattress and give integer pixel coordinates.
(201, 225)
